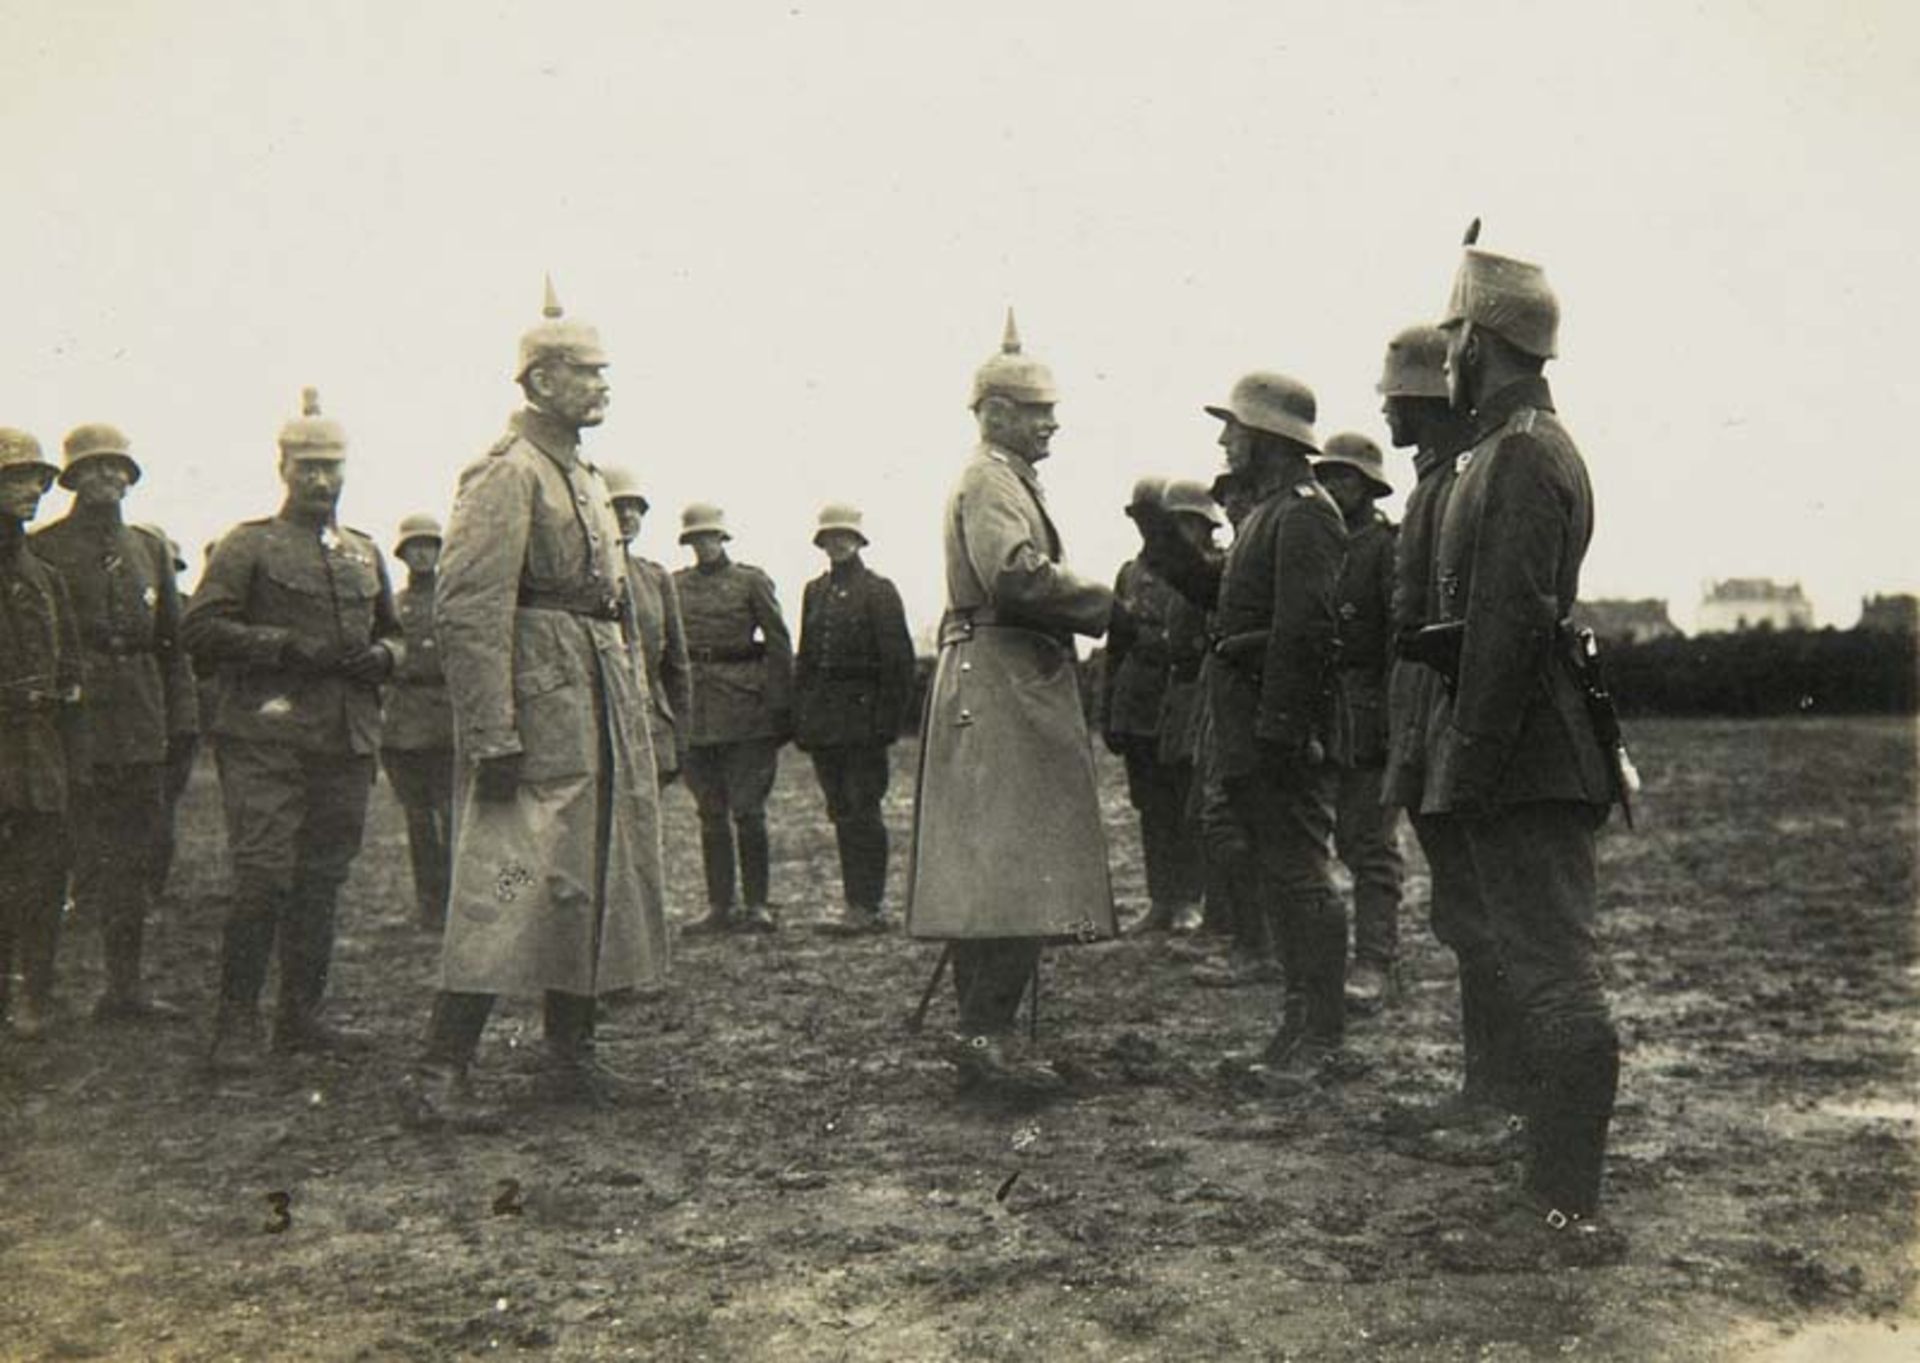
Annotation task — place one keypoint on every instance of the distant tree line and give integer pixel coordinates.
(1767, 672)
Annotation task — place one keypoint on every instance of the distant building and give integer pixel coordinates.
(1625, 622)
(1743, 603)
(1894, 613)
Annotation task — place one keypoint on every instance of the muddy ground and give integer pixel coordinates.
(804, 1183)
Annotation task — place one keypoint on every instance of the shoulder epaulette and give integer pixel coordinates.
(257, 520)
(503, 444)
(357, 532)
(150, 533)
(1521, 422)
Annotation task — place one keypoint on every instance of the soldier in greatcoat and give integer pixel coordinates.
(852, 683)
(42, 744)
(296, 611)
(137, 691)
(1008, 846)
(416, 731)
(557, 883)
(1513, 751)
(1278, 634)
(1419, 413)
(662, 634)
(1365, 831)
(1151, 622)
(742, 655)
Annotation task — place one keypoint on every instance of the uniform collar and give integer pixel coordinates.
(557, 440)
(840, 572)
(1447, 439)
(1492, 414)
(1028, 474)
(13, 538)
(719, 565)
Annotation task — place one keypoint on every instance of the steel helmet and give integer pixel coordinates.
(1188, 496)
(310, 435)
(1149, 490)
(1012, 374)
(1416, 365)
(418, 526)
(96, 440)
(703, 518)
(840, 516)
(1508, 297)
(554, 339)
(622, 486)
(20, 450)
(1274, 403)
(1355, 451)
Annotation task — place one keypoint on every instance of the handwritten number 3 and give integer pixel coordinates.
(282, 1218)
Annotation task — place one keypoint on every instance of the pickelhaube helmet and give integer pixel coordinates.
(20, 450)
(1350, 449)
(1010, 373)
(418, 526)
(96, 440)
(310, 435)
(703, 518)
(622, 486)
(1188, 496)
(1508, 297)
(1274, 403)
(1416, 365)
(554, 339)
(1149, 491)
(840, 516)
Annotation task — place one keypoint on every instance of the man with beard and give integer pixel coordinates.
(662, 636)
(1008, 847)
(557, 884)
(1365, 832)
(1419, 413)
(1514, 755)
(742, 713)
(42, 745)
(416, 732)
(297, 612)
(1278, 638)
(136, 692)
(852, 683)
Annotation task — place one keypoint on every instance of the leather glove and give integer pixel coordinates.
(309, 655)
(497, 779)
(369, 665)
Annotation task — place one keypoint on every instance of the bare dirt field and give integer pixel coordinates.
(804, 1183)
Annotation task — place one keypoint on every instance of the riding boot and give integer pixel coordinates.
(755, 856)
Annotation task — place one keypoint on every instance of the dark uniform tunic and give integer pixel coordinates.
(1514, 754)
(1269, 698)
(742, 658)
(1155, 631)
(137, 691)
(853, 678)
(295, 745)
(663, 643)
(416, 750)
(41, 749)
(1365, 831)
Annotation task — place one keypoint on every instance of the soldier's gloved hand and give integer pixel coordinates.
(370, 664)
(309, 655)
(497, 779)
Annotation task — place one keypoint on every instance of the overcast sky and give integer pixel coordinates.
(797, 226)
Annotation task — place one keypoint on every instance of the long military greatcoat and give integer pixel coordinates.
(544, 897)
(1411, 686)
(1507, 564)
(663, 644)
(1364, 600)
(41, 746)
(1007, 835)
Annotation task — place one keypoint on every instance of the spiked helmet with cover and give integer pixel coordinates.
(1010, 373)
(96, 440)
(1507, 296)
(557, 339)
(310, 435)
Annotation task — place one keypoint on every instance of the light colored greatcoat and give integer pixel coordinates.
(545, 895)
(1007, 837)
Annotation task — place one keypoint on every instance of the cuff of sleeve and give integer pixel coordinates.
(266, 643)
(484, 743)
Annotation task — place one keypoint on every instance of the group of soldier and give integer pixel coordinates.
(536, 685)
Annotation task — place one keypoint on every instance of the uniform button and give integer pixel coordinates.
(966, 667)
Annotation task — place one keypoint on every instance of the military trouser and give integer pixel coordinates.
(422, 781)
(182, 750)
(1286, 812)
(453, 1033)
(1537, 869)
(34, 855)
(730, 784)
(1233, 878)
(990, 977)
(1366, 834)
(294, 820)
(1169, 836)
(117, 830)
(1490, 1028)
(854, 780)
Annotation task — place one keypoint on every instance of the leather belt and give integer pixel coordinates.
(728, 653)
(586, 602)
